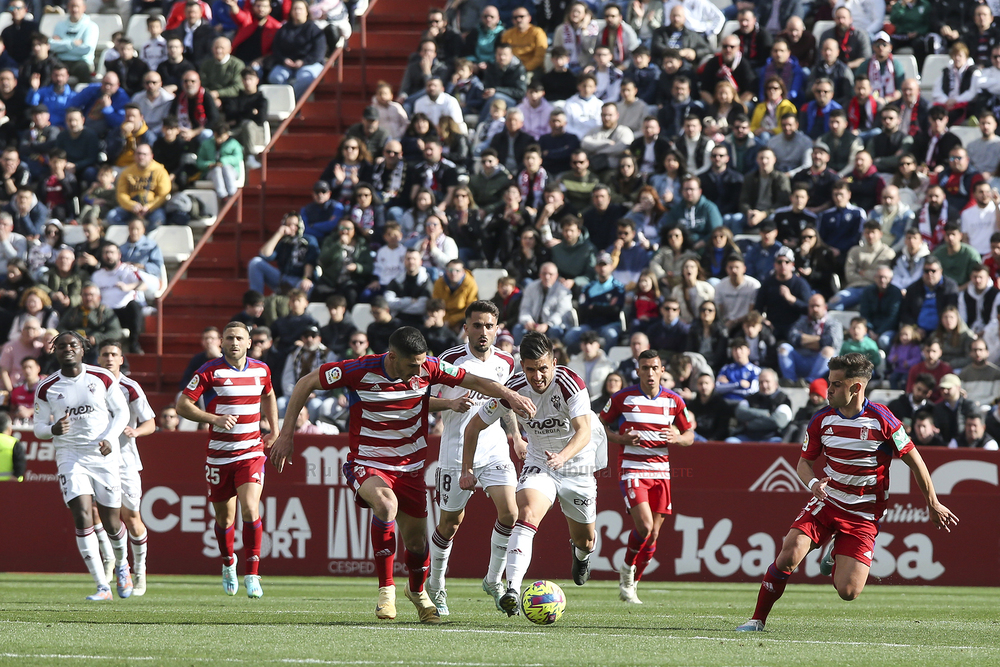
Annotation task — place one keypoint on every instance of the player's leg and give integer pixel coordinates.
(794, 549)
(451, 501)
(849, 577)
(583, 538)
(107, 552)
(80, 507)
(108, 494)
(649, 548)
(131, 500)
(376, 493)
(253, 532)
(853, 547)
(578, 501)
(225, 535)
(535, 496)
(412, 519)
(505, 501)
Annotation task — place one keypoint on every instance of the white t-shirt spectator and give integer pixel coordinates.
(444, 105)
(979, 224)
(107, 280)
(389, 264)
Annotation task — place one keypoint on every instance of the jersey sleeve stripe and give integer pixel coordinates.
(43, 386)
(893, 423)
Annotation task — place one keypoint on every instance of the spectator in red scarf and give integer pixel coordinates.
(195, 110)
(855, 45)
(618, 36)
(755, 43)
(729, 65)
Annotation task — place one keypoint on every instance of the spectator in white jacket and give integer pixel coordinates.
(592, 364)
(437, 103)
(546, 307)
(12, 245)
(583, 110)
(702, 15)
(908, 267)
(605, 144)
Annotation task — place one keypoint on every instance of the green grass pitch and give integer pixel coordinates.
(44, 620)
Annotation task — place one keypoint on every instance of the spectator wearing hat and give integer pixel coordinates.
(760, 256)
(812, 341)
(602, 301)
(783, 295)
(952, 410)
(323, 213)
(302, 361)
(368, 131)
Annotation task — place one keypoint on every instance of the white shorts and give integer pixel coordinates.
(131, 487)
(91, 475)
(577, 493)
(450, 497)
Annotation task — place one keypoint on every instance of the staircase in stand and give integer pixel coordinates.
(212, 289)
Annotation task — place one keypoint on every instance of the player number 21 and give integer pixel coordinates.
(212, 475)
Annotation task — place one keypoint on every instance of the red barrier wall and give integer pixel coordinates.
(732, 504)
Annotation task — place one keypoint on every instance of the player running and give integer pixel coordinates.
(141, 421)
(859, 439)
(388, 445)
(493, 467)
(90, 413)
(563, 454)
(236, 389)
(648, 418)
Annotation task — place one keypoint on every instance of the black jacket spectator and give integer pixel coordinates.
(712, 416)
(245, 107)
(719, 342)
(722, 189)
(43, 68)
(171, 73)
(337, 335)
(201, 42)
(130, 74)
(711, 74)
(305, 42)
(556, 151)
(16, 40)
(921, 142)
(660, 149)
(689, 39)
(603, 227)
(501, 142)
(559, 86)
(512, 81)
(776, 308)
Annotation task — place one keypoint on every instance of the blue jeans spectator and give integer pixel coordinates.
(518, 332)
(511, 102)
(807, 365)
(609, 332)
(119, 216)
(736, 222)
(260, 272)
(885, 340)
(300, 78)
(847, 298)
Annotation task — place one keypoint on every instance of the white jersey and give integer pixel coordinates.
(492, 446)
(96, 407)
(138, 412)
(550, 430)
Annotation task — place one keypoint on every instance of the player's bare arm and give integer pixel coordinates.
(509, 424)
(673, 436)
(283, 446)
(269, 408)
(940, 515)
(580, 439)
(615, 438)
(145, 428)
(521, 405)
(816, 486)
(459, 404)
(468, 479)
(186, 408)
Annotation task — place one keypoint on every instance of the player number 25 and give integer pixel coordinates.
(212, 475)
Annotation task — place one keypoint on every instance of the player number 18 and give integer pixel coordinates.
(212, 475)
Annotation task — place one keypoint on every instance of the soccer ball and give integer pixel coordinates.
(543, 602)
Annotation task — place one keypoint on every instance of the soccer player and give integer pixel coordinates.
(493, 467)
(141, 421)
(237, 390)
(90, 413)
(859, 439)
(644, 419)
(563, 455)
(388, 446)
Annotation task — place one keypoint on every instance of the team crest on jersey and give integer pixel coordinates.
(193, 384)
(415, 382)
(91, 387)
(556, 401)
(864, 432)
(333, 375)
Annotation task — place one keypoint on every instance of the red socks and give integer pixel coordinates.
(642, 560)
(225, 537)
(252, 533)
(634, 547)
(384, 547)
(418, 564)
(770, 590)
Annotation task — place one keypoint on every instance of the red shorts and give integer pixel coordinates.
(223, 480)
(855, 537)
(409, 487)
(656, 492)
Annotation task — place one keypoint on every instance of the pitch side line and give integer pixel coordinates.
(293, 661)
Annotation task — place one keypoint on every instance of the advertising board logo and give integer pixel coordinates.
(780, 476)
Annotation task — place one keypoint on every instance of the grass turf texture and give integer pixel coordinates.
(44, 620)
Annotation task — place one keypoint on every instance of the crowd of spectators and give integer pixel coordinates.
(643, 189)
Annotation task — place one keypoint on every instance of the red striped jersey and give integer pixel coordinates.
(232, 391)
(650, 419)
(858, 453)
(388, 418)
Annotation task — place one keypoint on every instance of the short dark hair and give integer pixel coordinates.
(590, 337)
(927, 380)
(482, 306)
(107, 343)
(650, 354)
(855, 366)
(408, 341)
(336, 301)
(838, 113)
(489, 152)
(252, 298)
(952, 227)
(920, 415)
(937, 113)
(257, 331)
(535, 345)
(4, 421)
(872, 224)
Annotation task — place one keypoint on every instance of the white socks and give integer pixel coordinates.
(519, 553)
(139, 552)
(90, 550)
(440, 553)
(107, 552)
(498, 552)
(120, 545)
